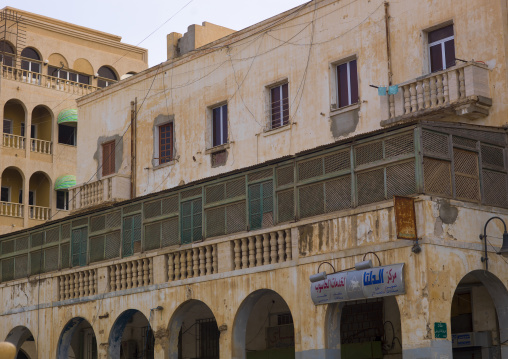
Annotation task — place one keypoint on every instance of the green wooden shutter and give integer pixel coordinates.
(79, 246)
(261, 204)
(131, 240)
(191, 223)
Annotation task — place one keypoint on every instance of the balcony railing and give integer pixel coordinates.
(108, 189)
(39, 213)
(41, 146)
(39, 79)
(462, 90)
(11, 209)
(13, 141)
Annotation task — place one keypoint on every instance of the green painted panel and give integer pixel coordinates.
(68, 116)
(65, 181)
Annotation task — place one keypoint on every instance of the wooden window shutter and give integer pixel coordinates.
(192, 216)
(108, 158)
(261, 205)
(79, 246)
(131, 236)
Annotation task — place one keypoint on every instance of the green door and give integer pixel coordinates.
(261, 205)
(191, 222)
(131, 235)
(79, 246)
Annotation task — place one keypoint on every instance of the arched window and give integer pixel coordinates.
(5, 50)
(27, 55)
(106, 77)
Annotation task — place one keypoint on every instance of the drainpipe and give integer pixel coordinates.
(134, 106)
(388, 46)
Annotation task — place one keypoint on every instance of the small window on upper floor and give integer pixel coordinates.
(219, 125)
(5, 50)
(279, 100)
(68, 75)
(30, 60)
(67, 134)
(108, 158)
(165, 143)
(62, 200)
(106, 77)
(347, 84)
(8, 126)
(441, 48)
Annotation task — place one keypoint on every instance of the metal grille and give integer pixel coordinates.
(362, 321)
(435, 144)
(66, 231)
(370, 186)
(170, 205)
(216, 221)
(399, 145)
(338, 194)
(310, 169)
(464, 142)
(207, 338)
(7, 247)
(64, 255)
(437, 176)
(96, 248)
(338, 161)
(400, 179)
(492, 156)
(235, 188)
(152, 236)
(219, 158)
(214, 193)
(311, 200)
(236, 217)
(132, 208)
(260, 175)
(285, 175)
(7, 269)
(170, 234)
(368, 153)
(113, 219)
(152, 209)
(21, 266)
(112, 247)
(21, 243)
(80, 222)
(51, 259)
(286, 205)
(35, 262)
(97, 223)
(191, 192)
(494, 188)
(37, 239)
(52, 235)
(467, 183)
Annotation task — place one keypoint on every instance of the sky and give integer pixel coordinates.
(135, 20)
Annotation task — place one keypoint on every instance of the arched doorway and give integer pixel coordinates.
(24, 341)
(14, 125)
(12, 193)
(41, 130)
(193, 332)
(77, 340)
(479, 317)
(131, 337)
(39, 196)
(263, 327)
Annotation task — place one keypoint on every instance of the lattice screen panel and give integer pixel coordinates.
(36, 262)
(52, 235)
(7, 247)
(21, 243)
(465, 142)
(113, 219)
(400, 179)
(235, 188)
(37, 239)
(193, 192)
(369, 152)
(215, 193)
(338, 161)
(152, 236)
(399, 145)
(494, 188)
(51, 259)
(492, 156)
(260, 175)
(132, 208)
(170, 232)
(97, 248)
(7, 269)
(236, 217)
(311, 200)
(216, 222)
(80, 222)
(285, 175)
(437, 177)
(21, 266)
(310, 169)
(112, 246)
(370, 186)
(435, 144)
(170, 205)
(97, 223)
(153, 209)
(286, 206)
(65, 255)
(338, 194)
(66, 231)
(467, 182)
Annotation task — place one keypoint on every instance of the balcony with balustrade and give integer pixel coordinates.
(108, 189)
(461, 91)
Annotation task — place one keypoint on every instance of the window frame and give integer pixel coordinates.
(440, 42)
(111, 169)
(193, 226)
(283, 110)
(336, 87)
(66, 200)
(167, 159)
(6, 120)
(74, 138)
(223, 123)
(8, 188)
(81, 243)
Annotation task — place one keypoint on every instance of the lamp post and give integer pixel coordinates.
(504, 248)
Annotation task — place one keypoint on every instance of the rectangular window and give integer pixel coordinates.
(220, 125)
(6, 194)
(79, 245)
(261, 205)
(62, 200)
(165, 143)
(67, 135)
(131, 236)
(192, 221)
(347, 84)
(8, 126)
(279, 98)
(441, 48)
(108, 158)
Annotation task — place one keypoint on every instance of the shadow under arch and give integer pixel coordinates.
(67, 340)
(141, 343)
(20, 336)
(199, 315)
(499, 295)
(244, 313)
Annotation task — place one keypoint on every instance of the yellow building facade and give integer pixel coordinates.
(329, 183)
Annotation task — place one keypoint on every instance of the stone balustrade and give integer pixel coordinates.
(39, 213)
(194, 262)
(13, 141)
(464, 89)
(77, 284)
(131, 274)
(11, 209)
(111, 188)
(41, 146)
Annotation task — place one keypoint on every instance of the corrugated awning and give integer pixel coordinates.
(68, 116)
(65, 181)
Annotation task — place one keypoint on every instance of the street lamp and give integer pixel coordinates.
(504, 248)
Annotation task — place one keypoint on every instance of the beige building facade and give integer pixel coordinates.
(312, 186)
(43, 71)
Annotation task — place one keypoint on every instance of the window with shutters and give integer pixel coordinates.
(79, 246)
(347, 83)
(279, 105)
(441, 48)
(108, 158)
(261, 205)
(131, 236)
(219, 125)
(192, 221)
